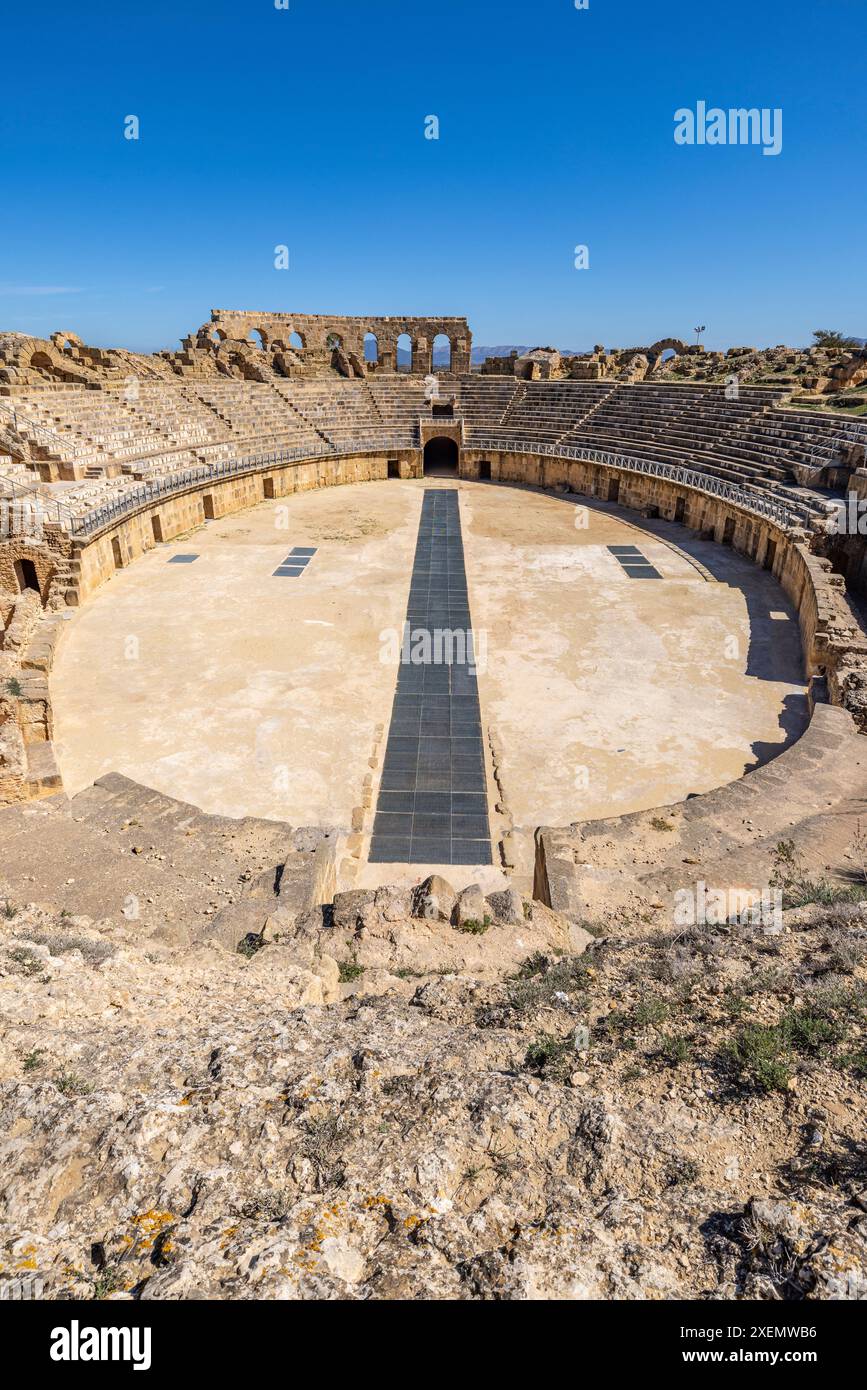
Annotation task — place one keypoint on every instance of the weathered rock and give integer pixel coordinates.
(470, 906)
(348, 907)
(507, 906)
(434, 899)
(233, 1127)
(393, 904)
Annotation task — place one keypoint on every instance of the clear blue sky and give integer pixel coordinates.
(305, 126)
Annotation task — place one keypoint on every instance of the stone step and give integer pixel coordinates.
(42, 772)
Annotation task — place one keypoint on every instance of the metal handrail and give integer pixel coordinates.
(88, 523)
(786, 515)
(34, 500)
(43, 432)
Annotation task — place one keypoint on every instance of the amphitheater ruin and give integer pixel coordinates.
(365, 719)
(235, 662)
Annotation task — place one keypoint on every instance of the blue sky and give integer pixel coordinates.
(305, 127)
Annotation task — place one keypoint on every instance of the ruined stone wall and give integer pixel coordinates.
(47, 557)
(315, 331)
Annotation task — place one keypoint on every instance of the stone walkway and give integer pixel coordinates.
(432, 806)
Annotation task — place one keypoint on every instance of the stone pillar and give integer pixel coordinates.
(422, 356)
(461, 361)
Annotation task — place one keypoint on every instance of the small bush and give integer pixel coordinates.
(537, 981)
(798, 889)
(27, 961)
(809, 1031)
(350, 970)
(473, 927)
(650, 1012)
(674, 1050)
(250, 945)
(759, 1059)
(69, 1083)
(550, 1057)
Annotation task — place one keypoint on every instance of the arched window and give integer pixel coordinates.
(333, 341)
(442, 353)
(371, 347)
(296, 341)
(404, 353)
(257, 338)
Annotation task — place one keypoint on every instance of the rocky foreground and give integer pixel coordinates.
(409, 1096)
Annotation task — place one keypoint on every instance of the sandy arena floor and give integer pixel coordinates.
(248, 694)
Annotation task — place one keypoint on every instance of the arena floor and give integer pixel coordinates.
(624, 664)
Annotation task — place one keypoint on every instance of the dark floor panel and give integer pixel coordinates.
(432, 805)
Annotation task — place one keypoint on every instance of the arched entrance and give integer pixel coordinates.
(441, 458)
(25, 574)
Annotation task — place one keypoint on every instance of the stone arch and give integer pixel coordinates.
(41, 360)
(296, 341)
(371, 347)
(442, 341)
(26, 576)
(656, 353)
(262, 337)
(664, 345)
(441, 456)
(404, 345)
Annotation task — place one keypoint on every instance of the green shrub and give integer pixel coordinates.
(759, 1059)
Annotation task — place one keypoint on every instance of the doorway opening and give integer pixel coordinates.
(441, 458)
(26, 576)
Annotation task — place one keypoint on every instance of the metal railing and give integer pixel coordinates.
(151, 490)
(47, 438)
(88, 523)
(29, 500)
(784, 514)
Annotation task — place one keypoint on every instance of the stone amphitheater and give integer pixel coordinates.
(234, 782)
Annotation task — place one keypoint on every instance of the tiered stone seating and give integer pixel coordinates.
(258, 416)
(549, 410)
(482, 401)
(341, 411)
(80, 441)
(698, 427)
(400, 402)
(179, 417)
(164, 427)
(811, 441)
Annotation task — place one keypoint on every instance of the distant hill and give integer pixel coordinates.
(480, 354)
(440, 357)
